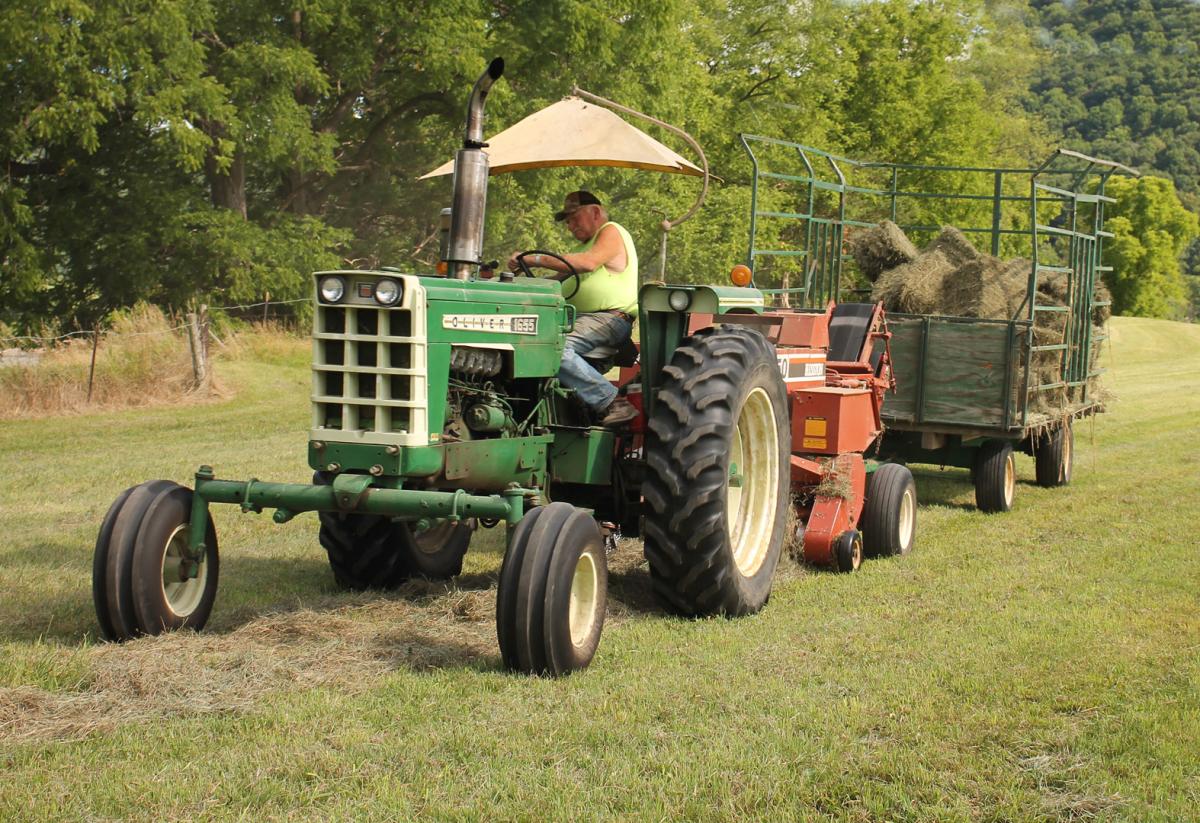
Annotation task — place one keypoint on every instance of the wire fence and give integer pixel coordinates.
(90, 333)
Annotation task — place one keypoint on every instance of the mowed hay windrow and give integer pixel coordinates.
(180, 674)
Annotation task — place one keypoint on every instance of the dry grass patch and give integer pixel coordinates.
(142, 360)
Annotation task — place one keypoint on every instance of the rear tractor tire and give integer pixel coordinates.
(995, 477)
(889, 518)
(1054, 456)
(717, 475)
(143, 582)
(553, 592)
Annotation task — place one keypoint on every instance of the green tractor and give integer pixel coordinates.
(436, 410)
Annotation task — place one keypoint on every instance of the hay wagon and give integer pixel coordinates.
(992, 281)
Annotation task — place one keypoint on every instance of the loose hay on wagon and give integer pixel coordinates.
(992, 282)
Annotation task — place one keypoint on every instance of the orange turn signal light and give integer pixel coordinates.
(442, 267)
(740, 275)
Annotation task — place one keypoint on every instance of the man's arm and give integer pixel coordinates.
(608, 250)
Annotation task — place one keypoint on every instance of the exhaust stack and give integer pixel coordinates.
(470, 183)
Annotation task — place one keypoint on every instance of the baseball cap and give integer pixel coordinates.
(574, 202)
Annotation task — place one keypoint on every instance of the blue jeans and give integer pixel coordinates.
(592, 330)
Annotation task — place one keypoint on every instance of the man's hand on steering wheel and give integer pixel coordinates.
(518, 262)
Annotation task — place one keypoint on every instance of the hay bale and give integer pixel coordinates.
(1013, 279)
(976, 289)
(1054, 286)
(915, 287)
(954, 245)
(880, 248)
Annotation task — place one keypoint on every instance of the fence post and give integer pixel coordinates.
(92, 367)
(198, 346)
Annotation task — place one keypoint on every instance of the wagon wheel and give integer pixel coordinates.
(995, 476)
(1055, 456)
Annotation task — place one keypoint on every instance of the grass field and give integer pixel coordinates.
(1039, 665)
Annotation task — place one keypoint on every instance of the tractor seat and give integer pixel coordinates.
(849, 326)
(603, 358)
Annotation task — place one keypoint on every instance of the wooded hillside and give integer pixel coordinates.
(220, 150)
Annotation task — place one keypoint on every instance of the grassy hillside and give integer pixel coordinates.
(1039, 665)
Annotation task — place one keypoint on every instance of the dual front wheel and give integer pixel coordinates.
(144, 578)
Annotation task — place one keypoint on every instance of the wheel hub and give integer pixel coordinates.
(182, 591)
(581, 612)
(752, 489)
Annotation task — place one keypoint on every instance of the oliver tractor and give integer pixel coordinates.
(436, 409)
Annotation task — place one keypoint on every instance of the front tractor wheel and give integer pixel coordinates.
(716, 484)
(437, 552)
(144, 578)
(553, 592)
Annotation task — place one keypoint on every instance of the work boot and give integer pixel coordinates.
(619, 412)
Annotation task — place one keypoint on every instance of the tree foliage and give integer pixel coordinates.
(1151, 229)
(1121, 79)
(172, 150)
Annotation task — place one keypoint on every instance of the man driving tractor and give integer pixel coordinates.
(605, 301)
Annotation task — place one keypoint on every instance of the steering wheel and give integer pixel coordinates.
(572, 274)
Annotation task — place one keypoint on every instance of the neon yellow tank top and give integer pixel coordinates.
(603, 290)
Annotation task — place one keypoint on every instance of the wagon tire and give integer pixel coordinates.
(995, 477)
(889, 518)
(167, 596)
(712, 544)
(116, 590)
(1054, 456)
(552, 594)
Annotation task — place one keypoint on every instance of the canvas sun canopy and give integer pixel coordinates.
(573, 132)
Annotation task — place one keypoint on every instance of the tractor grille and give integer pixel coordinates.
(369, 382)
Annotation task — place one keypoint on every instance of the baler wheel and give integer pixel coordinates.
(1054, 456)
(995, 476)
(889, 518)
(848, 551)
(717, 474)
(134, 589)
(553, 591)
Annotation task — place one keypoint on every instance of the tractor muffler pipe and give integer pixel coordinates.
(470, 183)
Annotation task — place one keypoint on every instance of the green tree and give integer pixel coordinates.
(1151, 229)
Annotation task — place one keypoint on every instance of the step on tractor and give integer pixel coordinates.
(436, 410)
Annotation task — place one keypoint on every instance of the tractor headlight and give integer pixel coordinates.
(387, 292)
(679, 299)
(333, 289)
